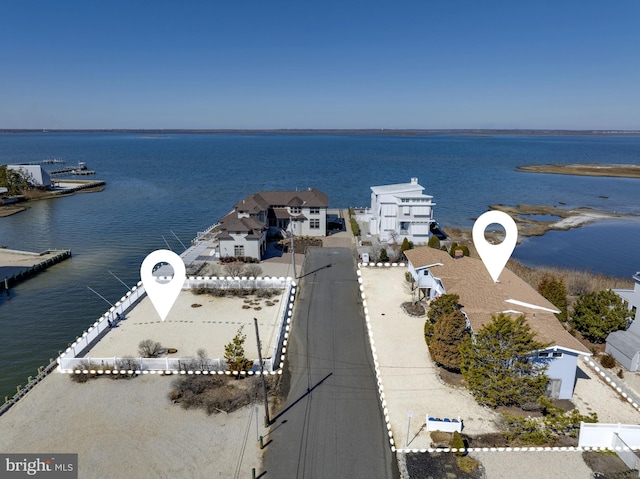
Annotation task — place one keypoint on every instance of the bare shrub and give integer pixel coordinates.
(267, 293)
(200, 363)
(126, 363)
(216, 393)
(149, 348)
(577, 285)
(211, 270)
(608, 361)
(253, 270)
(80, 376)
(234, 269)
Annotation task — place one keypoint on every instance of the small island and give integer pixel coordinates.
(586, 169)
(536, 220)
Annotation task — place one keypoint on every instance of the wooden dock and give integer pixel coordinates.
(16, 266)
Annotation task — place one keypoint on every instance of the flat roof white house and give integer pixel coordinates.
(401, 211)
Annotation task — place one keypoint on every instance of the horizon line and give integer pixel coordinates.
(608, 131)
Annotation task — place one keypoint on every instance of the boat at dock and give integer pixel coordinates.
(80, 170)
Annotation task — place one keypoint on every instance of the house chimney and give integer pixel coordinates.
(414, 181)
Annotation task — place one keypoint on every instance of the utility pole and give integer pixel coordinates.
(293, 251)
(267, 420)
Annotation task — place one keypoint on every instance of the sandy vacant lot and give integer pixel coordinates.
(129, 428)
(211, 326)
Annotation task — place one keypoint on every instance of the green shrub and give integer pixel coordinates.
(383, 255)
(443, 304)
(448, 333)
(467, 464)
(496, 362)
(458, 443)
(596, 315)
(553, 288)
(428, 331)
(234, 353)
(434, 242)
(548, 429)
(355, 227)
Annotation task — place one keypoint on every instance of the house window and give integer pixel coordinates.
(314, 224)
(544, 354)
(296, 210)
(556, 355)
(238, 250)
(314, 211)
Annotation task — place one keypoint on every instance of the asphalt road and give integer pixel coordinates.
(331, 424)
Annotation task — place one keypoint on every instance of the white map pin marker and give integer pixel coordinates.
(495, 257)
(162, 295)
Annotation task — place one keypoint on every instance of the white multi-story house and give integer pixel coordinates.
(243, 231)
(401, 211)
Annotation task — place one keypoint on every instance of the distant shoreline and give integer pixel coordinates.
(337, 131)
(83, 186)
(586, 169)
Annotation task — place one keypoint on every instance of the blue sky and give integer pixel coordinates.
(331, 64)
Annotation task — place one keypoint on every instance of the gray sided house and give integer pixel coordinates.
(435, 273)
(243, 231)
(625, 345)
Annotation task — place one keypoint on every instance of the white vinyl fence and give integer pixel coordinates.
(73, 358)
(168, 365)
(122, 307)
(601, 435)
(628, 456)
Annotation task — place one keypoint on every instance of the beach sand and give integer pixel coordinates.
(128, 428)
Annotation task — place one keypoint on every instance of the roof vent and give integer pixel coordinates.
(414, 180)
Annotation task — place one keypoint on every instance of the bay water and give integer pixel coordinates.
(159, 186)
